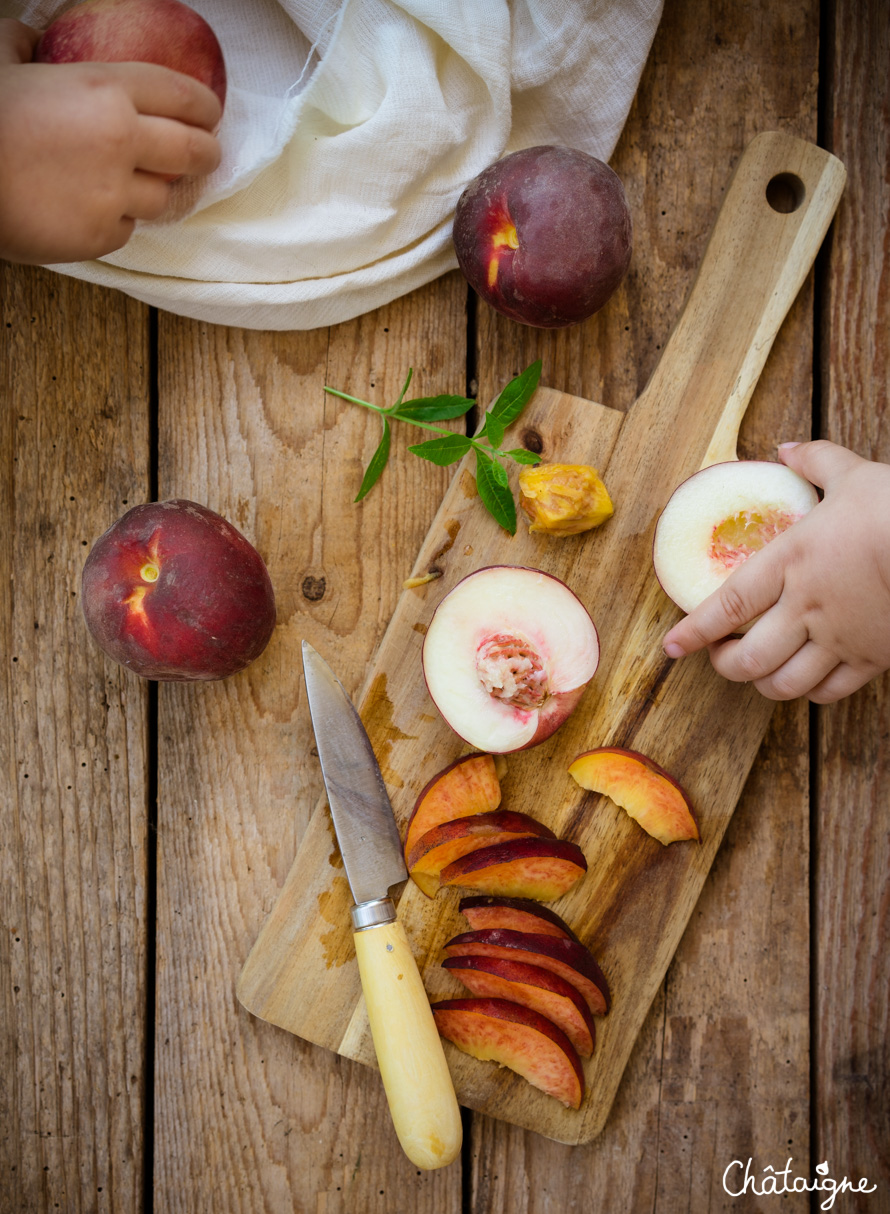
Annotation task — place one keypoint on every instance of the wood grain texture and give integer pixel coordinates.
(244, 1116)
(686, 1108)
(636, 898)
(246, 428)
(852, 813)
(73, 825)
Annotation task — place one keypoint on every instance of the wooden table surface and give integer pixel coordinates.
(146, 829)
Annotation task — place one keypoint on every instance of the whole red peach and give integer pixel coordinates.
(146, 31)
(544, 235)
(172, 591)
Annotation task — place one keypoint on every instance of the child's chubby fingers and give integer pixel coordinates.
(820, 461)
(748, 592)
(777, 642)
(17, 41)
(162, 93)
(805, 669)
(174, 149)
(840, 683)
(147, 196)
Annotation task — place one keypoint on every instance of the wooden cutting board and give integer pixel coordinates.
(633, 905)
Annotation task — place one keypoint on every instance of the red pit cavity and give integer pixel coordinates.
(741, 535)
(510, 669)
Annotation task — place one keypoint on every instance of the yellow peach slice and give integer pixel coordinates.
(452, 840)
(532, 986)
(649, 795)
(567, 958)
(521, 868)
(516, 914)
(517, 1037)
(469, 785)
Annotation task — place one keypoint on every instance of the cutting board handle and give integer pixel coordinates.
(777, 211)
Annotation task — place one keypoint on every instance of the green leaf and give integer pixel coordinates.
(517, 394)
(491, 481)
(521, 456)
(401, 396)
(493, 430)
(443, 451)
(434, 408)
(377, 464)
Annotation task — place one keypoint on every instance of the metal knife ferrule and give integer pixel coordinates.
(372, 914)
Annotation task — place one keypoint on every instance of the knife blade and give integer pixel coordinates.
(415, 1074)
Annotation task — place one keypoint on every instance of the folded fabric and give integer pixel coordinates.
(351, 128)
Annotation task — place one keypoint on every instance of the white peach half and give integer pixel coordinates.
(718, 518)
(507, 656)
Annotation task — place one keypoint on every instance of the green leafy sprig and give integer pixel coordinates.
(449, 447)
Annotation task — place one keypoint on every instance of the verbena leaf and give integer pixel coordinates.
(521, 456)
(401, 396)
(377, 464)
(493, 429)
(443, 451)
(434, 408)
(517, 394)
(491, 481)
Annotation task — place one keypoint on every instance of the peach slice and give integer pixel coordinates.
(717, 518)
(452, 840)
(469, 785)
(641, 787)
(498, 1030)
(532, 986)
(518, 914)
(522, 868)
(567, 958)
(507, 656)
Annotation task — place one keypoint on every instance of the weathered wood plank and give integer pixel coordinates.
(721, 1068)
(246, 429)
(852, 860)
(73, 834)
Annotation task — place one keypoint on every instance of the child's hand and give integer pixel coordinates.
(821, 588)
(88, 148)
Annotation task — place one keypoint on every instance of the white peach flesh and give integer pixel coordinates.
(718, 518)
(507, 656)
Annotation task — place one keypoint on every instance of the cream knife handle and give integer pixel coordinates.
(412, 1062)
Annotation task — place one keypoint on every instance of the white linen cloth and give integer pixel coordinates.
(351, 128)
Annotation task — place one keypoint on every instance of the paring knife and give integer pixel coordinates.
(409, 1050)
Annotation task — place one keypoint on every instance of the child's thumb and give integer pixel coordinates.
(819, 462)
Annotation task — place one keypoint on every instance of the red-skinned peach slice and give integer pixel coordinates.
(507, 656)
(517, 914)
(649, 795)
(523, 868)
(567, 958)
(517, 1037)
(469, 785)
(449, 842)
(532, 986)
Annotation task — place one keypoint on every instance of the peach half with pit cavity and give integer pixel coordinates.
(718, 518)
(507, 656)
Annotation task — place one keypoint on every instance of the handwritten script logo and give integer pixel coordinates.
(739, 1178)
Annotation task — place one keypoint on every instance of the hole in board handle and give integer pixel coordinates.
(785, 192)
